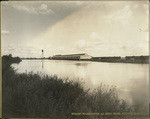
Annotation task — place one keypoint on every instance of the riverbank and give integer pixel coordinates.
(30, 95)
(110, 61)
(96, 60)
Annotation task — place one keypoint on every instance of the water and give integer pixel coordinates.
(131, 80)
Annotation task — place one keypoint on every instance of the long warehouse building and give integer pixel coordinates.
(83, 56)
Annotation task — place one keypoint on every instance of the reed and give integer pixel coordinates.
(32, 95)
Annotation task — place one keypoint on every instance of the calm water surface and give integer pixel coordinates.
(131, 80)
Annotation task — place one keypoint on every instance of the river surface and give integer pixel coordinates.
(131, 80)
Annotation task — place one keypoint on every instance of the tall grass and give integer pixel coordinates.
(30, 95)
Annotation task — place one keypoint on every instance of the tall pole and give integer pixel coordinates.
(42, 57)
(42, 53)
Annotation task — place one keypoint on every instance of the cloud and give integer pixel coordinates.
(94, 35)
(21, 51)
(145, 30)
(81, 44)
(42, 9)
(121, 15)
(146, 5)
(124, 13)
(25, 8)
(89, 45)
(84, 46)
(86, 31)
(5, 32)
(136, 6)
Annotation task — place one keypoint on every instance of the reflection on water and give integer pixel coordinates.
(131, 80)
(81, 64)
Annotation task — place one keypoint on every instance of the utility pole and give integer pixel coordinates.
(42, 58)
(42, 53)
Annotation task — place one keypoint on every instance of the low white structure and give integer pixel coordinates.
(83, 56)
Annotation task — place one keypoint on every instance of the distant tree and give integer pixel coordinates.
(10, 55)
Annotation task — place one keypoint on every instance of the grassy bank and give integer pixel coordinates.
(30, 95)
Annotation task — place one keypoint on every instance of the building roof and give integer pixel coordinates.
(73, 54)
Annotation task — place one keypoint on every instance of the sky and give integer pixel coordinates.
(98, 28)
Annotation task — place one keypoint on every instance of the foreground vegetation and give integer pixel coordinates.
(30, 95)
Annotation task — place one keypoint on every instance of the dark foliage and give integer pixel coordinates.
(30, 95)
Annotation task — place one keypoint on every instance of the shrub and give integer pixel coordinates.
(32, 95)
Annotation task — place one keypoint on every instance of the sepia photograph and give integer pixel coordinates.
(75, 59)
